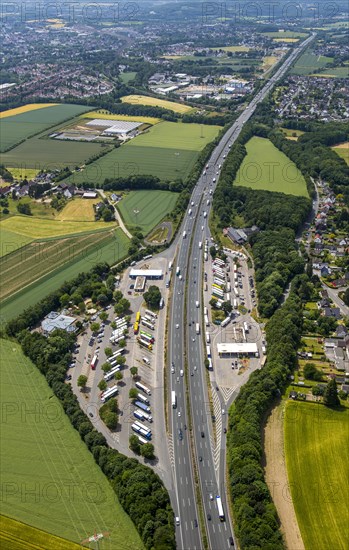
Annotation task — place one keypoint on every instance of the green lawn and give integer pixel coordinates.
(266, 168)
(167, 150)
(343, 152)
(51, 480)
(317, 458)
(45, 153)
(11, 241)
(112, 250)
(151, 206)
(335, 72)
(127, 77)
(18, 127)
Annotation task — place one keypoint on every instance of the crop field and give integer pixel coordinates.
(287, 40)
(25, 109)
(265, 167)
(37, 259)
(335, 72)
(129, 118)
(44, 154)
(111, 250)
(16, 127)
(155, 102)
(308, 63)
(285, 34)
(16, 535)
(35, 228)
(150, 208)
(167, 150)
(56, 484)
(234, 48)
(11, 241)
(343, 151)
(317, 463)
(21, 173)
(78, 210)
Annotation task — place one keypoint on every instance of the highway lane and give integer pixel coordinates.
(188, 535)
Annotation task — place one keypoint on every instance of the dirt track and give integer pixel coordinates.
(276, 477)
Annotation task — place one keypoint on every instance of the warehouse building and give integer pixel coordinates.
(237, 348)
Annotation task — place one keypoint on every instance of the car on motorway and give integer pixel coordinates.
(225, 430)
(231, 541)
(172, 370)
(180, 434)
(200, 458)
(179, 413)
(177, 325)
(177, 520)
(209, 517)
(202, 434)
(195, 522)
(211, 496)
(195, 368)
(181, 372)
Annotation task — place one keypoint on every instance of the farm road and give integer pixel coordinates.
(117, 216)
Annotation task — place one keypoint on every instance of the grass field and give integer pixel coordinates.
(317, 460)
(25, 109)
(21, 173)
(287, 40)
(37, 259)
(78, 210)
(17, 127)
(111, 250)
(167, 150)
(285, 34)
(127, 77)
(154, 102)
(234, 48)
(335, 72)
(308, 63)
(56, 484)
(15, 535)
(265, 167)
(11, 241)
(152, 206)
(343, 151)
(47, 154)
(107, 116)
(35, 228)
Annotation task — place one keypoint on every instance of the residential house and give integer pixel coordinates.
(332, 312)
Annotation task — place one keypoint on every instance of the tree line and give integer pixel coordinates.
(255, 516)
(139, 490)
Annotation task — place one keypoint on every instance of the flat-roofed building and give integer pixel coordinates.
(237, 348)
(140, 284)
(147, 273)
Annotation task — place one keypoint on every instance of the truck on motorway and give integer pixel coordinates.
(208, 351)
(197, 328)
(190, 211)
(208, 338)
(173, 399)
(184, 234)
(177, 270)
(220, 508)
(197, 304)
(207, 322)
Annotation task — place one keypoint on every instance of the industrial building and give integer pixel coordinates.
(237, 348)
(147, 273)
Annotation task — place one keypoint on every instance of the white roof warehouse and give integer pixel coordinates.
(236, 348)
(147, 273)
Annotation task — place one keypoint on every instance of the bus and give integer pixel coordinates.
(143, 398)
(117, 353)
(148, 257)
(151, 313)
(220, 508)
(147, 324)
(143, 388)
(135, 328)
(109, 375)
(94, 362)
(110, 392)
(173, 399)
(142, 406)
(138, 316)
(141, 439)
(208, 351)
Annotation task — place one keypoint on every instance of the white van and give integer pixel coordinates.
(197, 304)
(146, 361)
(181, 372)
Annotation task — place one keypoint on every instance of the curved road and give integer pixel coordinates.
(183, 342)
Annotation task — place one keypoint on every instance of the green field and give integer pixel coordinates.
(335, 72)
(18, 127)
(52, 481)
(308, 63)
(343, 152)
(43, 153)
(317, 458)
(112, 250)
(127, 77)
(167, 150)
(266, 168)
(151, 206)
(36, 260)
(11, 241)
(42, 228)
(15, 535)
(285, 34)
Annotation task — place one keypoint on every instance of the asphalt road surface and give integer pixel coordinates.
(183, 341)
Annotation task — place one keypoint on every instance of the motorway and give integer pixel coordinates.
(191, 388)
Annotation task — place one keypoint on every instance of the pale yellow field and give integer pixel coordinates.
(37, 228)
(172, 56)
(269, 61)
(78, 210)
(21, 173)
(234, 48)
(154, 102)
(286, 40)
(344, 145)
(103, 116)
(25, 109)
